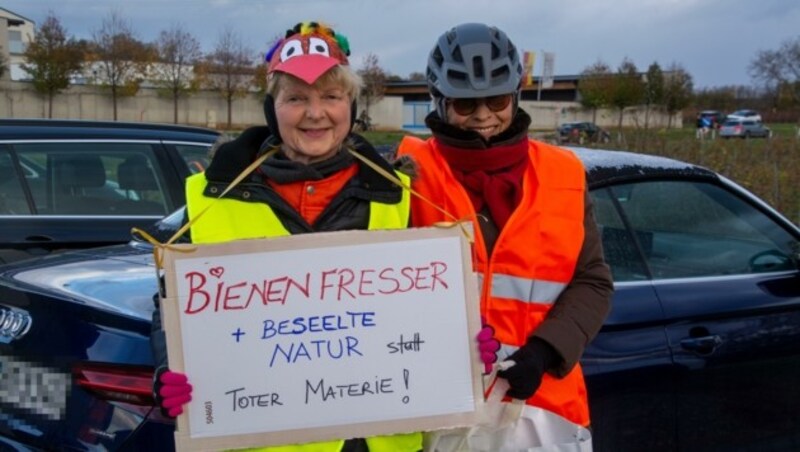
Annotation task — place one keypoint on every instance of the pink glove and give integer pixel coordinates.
(173, 391)
(487, 346)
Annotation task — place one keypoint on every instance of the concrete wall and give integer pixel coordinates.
(205, 108)
(387, 113)
(549, 115)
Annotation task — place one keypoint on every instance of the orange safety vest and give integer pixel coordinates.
(533, 259)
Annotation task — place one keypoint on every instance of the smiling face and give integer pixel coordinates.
(485, 120)
(313, 120)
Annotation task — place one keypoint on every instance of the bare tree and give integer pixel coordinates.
(595, 86)
(120, 57)
(721, 98)
(374, 78)
(678, 86)
(628, 89)
(260, 77)
(653, 90)
(51, 59)
(779, 70)
(229, 69)
(178, 51)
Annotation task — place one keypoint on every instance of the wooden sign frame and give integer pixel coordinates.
(429, 300)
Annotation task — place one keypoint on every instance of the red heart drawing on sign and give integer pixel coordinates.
(217, 271)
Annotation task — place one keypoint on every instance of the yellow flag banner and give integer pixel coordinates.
(528, 59)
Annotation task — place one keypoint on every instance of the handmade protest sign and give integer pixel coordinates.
(323, 336)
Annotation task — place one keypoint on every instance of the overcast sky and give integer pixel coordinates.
(714, 40)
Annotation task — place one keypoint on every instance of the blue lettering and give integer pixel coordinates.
(345, 347)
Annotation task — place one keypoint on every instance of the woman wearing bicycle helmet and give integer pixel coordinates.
(546, 289)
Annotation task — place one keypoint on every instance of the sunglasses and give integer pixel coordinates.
(467, 106)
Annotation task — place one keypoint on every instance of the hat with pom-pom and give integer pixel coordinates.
(309, 50)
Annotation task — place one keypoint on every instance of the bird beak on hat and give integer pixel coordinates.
(307, 68)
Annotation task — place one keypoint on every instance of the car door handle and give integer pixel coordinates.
(704, 344)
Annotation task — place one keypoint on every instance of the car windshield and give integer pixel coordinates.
(732, 122)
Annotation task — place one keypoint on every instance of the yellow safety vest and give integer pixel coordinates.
(233, 219)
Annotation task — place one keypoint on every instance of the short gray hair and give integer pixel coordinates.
(338, 75)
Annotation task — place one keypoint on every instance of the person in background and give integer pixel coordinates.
(546, 289)
(312, 183)
(698, 133)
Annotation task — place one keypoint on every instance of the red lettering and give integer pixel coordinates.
(346, 277)
(230, 296)
(280, 291)
(304, 289)
(419, 277)
(384, 277)
(439, 268)
(324, 285)
(362, 281)
(261, 292)
(220, 285)
(407, 272)
(196, 283)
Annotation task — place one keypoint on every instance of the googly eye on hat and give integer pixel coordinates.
(308, 51)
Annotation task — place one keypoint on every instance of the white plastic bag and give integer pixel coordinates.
(515, 426)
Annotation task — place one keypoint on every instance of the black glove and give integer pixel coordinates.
(531, 362)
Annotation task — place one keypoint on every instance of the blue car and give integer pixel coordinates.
(701, 350)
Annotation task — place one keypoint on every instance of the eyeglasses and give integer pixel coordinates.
(467, 106)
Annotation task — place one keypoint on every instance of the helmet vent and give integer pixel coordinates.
(495, 51)
(437, 57)
(477, 67)
(500, 72)
(457, 57)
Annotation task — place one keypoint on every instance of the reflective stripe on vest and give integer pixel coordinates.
(233, 219)
(527, 290)
(533, 260)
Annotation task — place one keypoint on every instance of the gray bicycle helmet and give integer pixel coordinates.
(473, 60)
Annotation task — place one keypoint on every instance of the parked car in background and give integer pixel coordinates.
(750, 115)
(582, 132)
(78, 184)
(744, 128)
(701, 350)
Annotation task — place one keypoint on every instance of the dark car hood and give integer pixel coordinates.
(119, 279)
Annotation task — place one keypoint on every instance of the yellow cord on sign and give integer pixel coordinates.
(397, 181)
(158, 246)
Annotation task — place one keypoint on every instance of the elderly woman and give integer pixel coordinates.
(546, 289)
(309, 182)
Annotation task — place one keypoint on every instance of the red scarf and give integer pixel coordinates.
(492, 177)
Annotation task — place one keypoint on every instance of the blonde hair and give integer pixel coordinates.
(338, 75)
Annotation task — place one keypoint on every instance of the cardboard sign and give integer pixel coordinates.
(323, 336)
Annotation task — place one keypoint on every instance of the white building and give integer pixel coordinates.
(15, 33)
